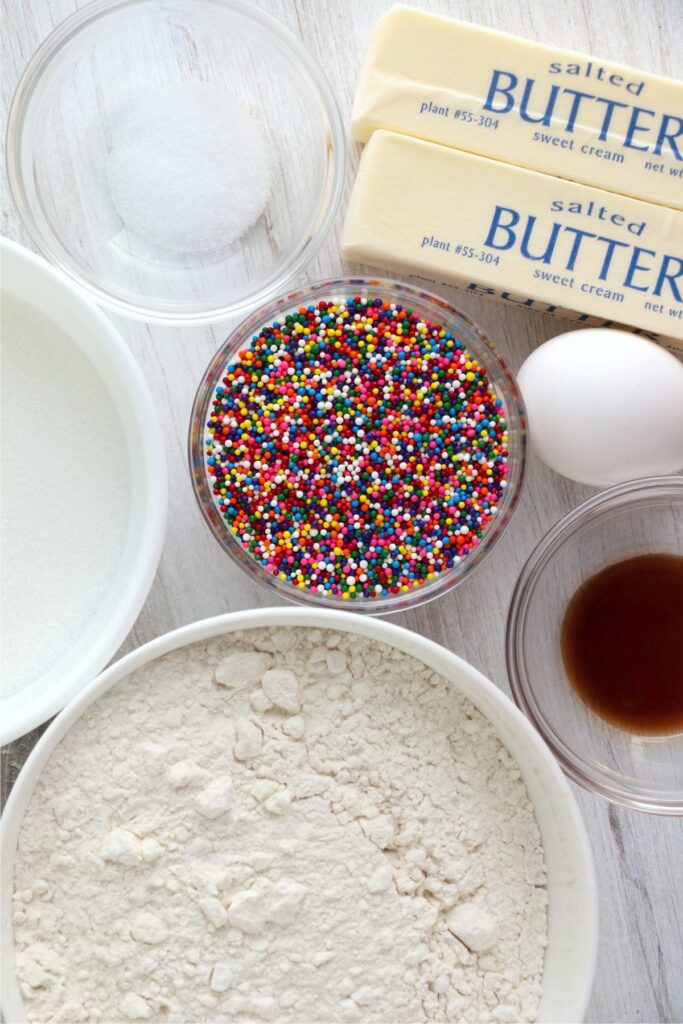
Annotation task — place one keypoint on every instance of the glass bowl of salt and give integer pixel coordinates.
(182, 161)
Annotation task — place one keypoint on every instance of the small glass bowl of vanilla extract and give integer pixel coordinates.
(594, 643)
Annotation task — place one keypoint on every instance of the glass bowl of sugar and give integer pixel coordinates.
(181, 161)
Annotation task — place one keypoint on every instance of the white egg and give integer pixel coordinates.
(604, 406)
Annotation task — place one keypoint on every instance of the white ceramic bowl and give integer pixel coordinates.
(572, 925)
(31, 279)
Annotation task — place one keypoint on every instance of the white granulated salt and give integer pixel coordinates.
(65, 493)
(281, 825)
(189, 169)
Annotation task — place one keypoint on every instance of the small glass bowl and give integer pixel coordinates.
(430, 307)
(634, 518)
(72, 128)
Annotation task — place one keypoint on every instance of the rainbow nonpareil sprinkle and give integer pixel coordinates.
(356, 450)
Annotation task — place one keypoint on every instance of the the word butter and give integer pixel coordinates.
(549, 110)
(545, 243)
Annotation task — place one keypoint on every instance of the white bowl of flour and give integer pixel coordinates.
(83, 491)
(294, 815)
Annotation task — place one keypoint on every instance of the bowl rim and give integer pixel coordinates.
(153, 508)
(475, 337)
(431, 653)
(49, 245)
(589, 510)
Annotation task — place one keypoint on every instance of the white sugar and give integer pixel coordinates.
(65, 494)
(189, 170)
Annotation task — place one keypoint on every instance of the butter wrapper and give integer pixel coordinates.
(536, 106)
(531, 239)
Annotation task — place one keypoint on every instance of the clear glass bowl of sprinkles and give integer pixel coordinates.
(358, 444)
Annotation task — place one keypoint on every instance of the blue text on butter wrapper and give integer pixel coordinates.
(630, 125)
(636, 266)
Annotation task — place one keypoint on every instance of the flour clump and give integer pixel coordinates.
(281, 825)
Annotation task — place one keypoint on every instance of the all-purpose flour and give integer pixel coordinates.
(286, 825)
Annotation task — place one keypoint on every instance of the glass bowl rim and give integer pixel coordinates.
(48, 242)
(620, 497)
(515, 416)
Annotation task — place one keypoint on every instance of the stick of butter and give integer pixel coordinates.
(512, 99)
(549, 244)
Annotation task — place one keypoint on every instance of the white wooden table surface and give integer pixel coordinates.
(639, 857)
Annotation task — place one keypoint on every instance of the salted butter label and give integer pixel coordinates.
(531, 239)
(515, 100)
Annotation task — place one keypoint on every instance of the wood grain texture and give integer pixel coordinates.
(639, 857)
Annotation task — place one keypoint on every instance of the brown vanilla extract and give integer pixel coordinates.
(622, 643)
